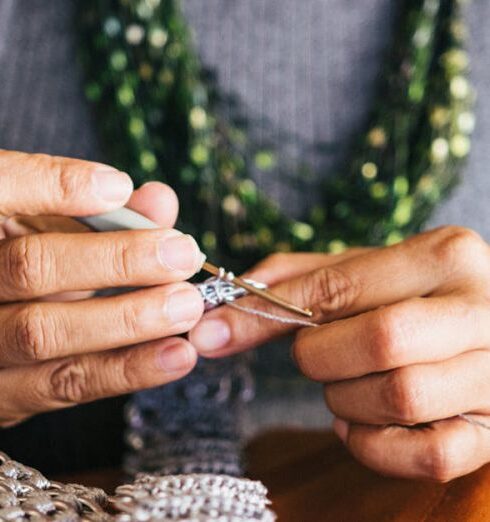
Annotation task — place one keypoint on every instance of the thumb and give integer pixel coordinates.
(38, 184)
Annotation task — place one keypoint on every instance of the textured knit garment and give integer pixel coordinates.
(305, 69)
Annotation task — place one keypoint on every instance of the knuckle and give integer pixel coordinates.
(130, 320)
(28, 265)
(31, 333)
(69, 382)
(438, 460)
(276, 259)
(403, 394)
(331, 289)
(271, 262)
(387, 338)
(120, 260)
(309, 365)
(458, 246)
(128, 378)
(66, 184)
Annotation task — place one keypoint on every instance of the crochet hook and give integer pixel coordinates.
(127, 219)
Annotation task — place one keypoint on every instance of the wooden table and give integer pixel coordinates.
(312, 478)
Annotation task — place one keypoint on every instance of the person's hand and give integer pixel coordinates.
(403, 347)
(55, 353)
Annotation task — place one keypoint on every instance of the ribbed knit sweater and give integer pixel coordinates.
(306, 67)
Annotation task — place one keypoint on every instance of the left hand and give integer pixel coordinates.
(403, 347)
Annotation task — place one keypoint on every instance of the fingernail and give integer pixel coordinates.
(180, 253)
(341, 428)
(211, 335)
(111, 184)
(174, 358)
(185, 305)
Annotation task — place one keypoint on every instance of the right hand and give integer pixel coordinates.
(54, 353)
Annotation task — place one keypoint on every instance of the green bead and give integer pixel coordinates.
(400, 186)
(199, 154)
(416, 91)
(125, 95)
(393, 238)
(265, 237)
(93, 92)
(337, 246)
(378, 190)
(318, 215)
(455, 61)
(265, 160)
(248, 190)
(148, 161)
(118, 60)
(403, 211)
(208, 240)
(188, 175)
(302, 231)
(136, 127)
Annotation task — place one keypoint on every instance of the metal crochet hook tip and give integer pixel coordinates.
(264, 294)
(127, 219)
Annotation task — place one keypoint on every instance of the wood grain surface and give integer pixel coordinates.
(312, 478)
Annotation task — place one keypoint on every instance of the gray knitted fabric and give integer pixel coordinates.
(306, 67)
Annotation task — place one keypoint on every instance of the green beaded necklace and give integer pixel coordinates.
(158, 120)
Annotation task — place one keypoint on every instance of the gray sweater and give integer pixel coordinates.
(306, 67)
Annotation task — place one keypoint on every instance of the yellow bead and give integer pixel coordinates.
(302, 231)
(369, 170)
(459, 87)
(158, 38)
(197, 117)
(134, 34)
(231, 205)
(337, 246)
(439, 150)
(377, 137)
(439, 116)
(460, 145)
(466, 122)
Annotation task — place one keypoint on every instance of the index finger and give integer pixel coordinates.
(416, 267)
